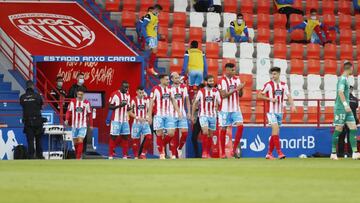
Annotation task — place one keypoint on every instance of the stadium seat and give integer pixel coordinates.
(297, 66)
(330, 51)
(196, 19)
(330, 95)
(166, 5)
(313, 66)
(298, 4)
(145, 4)
(128, 19)
(178, 34)
(179, 19)
(249, 19)
(263, 7)
(229, 50)
(313, 82)
(358, 38)
(260, 116)
(296, 51)
(281, 63)
(296, 82)
(230, 6)
(212, 50)
(329, 20)
(297, 35)
(330, 67)
(298, 94)
(180, 5)
(213, 19)
(332, 36)
(344, 21)
(296, 19)
(112, 5)
(129, 5)
(313, 115)
(263, 35)
(344, 7)
(246, 109)
(279, 20)
(246, 50)
(261, 79)
(228, 17)
(313, 51)
(213, 68)
(328, 7)
(164, 19)
(212, 34)
(195, 33)
(246, 66)
(346, 52)
(246, 6)
(346, 36)
(248, 80)
(279, 35)
(358, 52)
(263, 50)
(176, 65)
(311, 4)
(262, 67)
(178, 49)
(329, 115)
(330, 82)
(297, 117)
(280, 50)
(263, 21)
(164, 31)
(314, 95)
(162, 49)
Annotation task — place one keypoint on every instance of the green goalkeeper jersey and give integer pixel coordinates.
(342, 85)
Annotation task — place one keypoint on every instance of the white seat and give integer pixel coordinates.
(330, 82)
(296, 82)
(217, 2)
(330, 94)
(261, 79)
(313, 82)
(229, 50)
(196, 19)
(246, 50)
(298, 94)
(212, 34)
(263, 66)
(351, 80)
(251, 33)
(213, 19)
(281, 63)
(180, 5)
(314, 94)
(228, 17)
(263, 50)
(246, 66)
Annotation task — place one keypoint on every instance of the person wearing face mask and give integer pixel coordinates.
(315, 31)
(58, 93)
(238, 31)
(285, 7)
(74, 88)
(150, 32)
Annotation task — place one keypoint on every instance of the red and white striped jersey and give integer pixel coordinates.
(231, 103)
(180, 93)
(120, 114)
(208, 100)
(140, 106)
(79, 111)
(162, 100)
(275, 90)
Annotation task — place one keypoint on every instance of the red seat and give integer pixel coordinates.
(296, 51)
(330, 67)
(297, 66)
(196, 33)
(280, 35)
(128, 19)
(145, 4)
(246, 6)
(279, 20)
(247, 91)
(164, 31)
(230, 6)
(330, 51)
(312, 114)
(112, 5)
(344, 21)
(213, 68)
(297, 117)
(178, 49)
(263, 7)
(263, 35)
(313, 51)
(165, 4)
(162, 49)
(178, 34)
(358, 53)
(164, 19)
(248, 19)
(311, 4)
(297, 35)
(332, 36)
(357, 21)
(328, 7)
(298, 4)
(346, 52)
(280, 50)
(260, 116)
(344, 6)
(329, 114)
(246, 111)
(313, 66)
(296, 19)
(329, 19)
(212, 50)
(129, 5)
(358, 38)
(346, 36)
(176, 65)
(263, 21)
(179, 19)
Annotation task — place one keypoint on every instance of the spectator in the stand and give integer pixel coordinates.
(356, 5)
(285, 7)
(138, 26)
(238, 31)
(315, 31)
(195, 66)
(74, 88)
(58, 93)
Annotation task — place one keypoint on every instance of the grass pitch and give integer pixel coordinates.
(183, 181)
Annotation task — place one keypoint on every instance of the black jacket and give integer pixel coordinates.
(56, 96)
(73, 90)
(31, 103)
(354, 104)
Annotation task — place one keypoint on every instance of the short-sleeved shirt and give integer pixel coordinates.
(275, 90)
(120, 114)
(231, 103)
(208, 100)
(180, 93)
(79, 111)
(162, 97)
(342, 85)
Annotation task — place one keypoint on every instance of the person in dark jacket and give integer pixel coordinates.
(31, 103)
(58, 93)
(75, 87)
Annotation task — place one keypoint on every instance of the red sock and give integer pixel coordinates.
(204, 145)
(124, 146)
(175, 142)
(276, 141)
(135, 146)
(160, 144)
(209, 140)
(112, 145)
(183, 139)
(173, 147)
(271, 145)
(238, 136)
(152, 60)
(147, 144)
(222, 140)
(76, 149)
(79, 150)
(167, 139)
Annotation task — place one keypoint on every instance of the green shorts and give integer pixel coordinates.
(341, 117)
